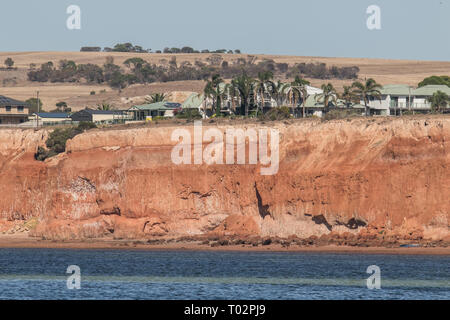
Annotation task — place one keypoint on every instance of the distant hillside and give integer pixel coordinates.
(14, 83)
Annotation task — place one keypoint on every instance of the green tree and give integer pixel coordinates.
(366, 91)
(33, 104)
(91, 72)
(9, 63)
(439, 101)
(62, 106)
(68, 66)
(439, 80)
(118, 80)
(127, 47)
(135, 63)
(328, 95)
(187, 50)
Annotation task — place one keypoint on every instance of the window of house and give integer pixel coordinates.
(20, 109)
(8, 108)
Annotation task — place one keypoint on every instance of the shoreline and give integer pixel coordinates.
(25, 242)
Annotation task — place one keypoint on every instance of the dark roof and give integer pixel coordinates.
(92, 111)
(5, 101)
(162, 106)
(53, 115)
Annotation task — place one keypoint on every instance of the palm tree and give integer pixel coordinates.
(215, 90)
(294, 95)
(305, 95)
(263, 84)
(278, 92)
(104, 106)
(439, 100)
(156, 97)
(328, 95)
(366, 91)
(298, 89)
(348, 95)
(233, 95)
(245, 86)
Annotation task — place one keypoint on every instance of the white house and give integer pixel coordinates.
(396, 98)
(50, 118)
(422, 94)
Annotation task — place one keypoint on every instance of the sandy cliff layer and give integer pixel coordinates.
(374, 178)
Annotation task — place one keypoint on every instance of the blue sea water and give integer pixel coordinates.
(139, 274)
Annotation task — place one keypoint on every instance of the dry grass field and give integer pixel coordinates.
(78, 95)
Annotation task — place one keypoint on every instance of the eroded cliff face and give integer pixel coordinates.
(368, 177)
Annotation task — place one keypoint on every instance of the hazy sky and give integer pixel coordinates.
(410, 29)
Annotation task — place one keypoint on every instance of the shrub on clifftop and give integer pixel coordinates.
(189, 114)
(280, 113)
(56, 142)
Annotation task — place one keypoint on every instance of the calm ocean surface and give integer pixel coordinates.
(128, 274)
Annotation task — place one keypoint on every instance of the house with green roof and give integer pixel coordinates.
(148, 111)
(194, 101)
(421, 95)
(396, 98)
(315, 106)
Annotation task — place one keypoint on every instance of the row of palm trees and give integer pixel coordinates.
(245, 92)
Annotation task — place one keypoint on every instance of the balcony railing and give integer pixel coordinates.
(403, 105)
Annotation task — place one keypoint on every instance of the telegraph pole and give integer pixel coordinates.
(38, 107)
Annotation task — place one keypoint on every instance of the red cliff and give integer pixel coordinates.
(372, 178)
